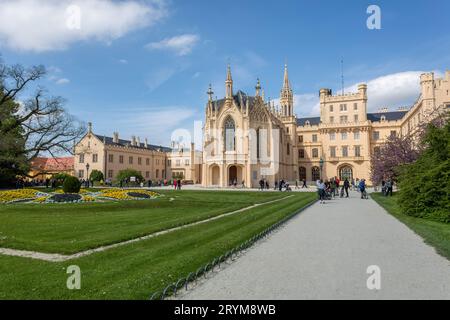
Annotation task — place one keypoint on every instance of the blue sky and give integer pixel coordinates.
(143, 67)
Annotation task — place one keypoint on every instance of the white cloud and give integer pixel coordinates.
(62, 81)
(46, 25)
(391, 91)
(123, 61)
(181, 45)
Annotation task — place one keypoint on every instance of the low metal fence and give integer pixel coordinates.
(173, 288)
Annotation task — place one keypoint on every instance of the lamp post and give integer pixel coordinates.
(321, 167)
(87, 174)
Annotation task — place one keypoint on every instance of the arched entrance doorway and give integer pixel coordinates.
(315, 173)
(233, 175)
(346, 172)
(215, 175)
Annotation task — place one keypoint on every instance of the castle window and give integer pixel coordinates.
(331, 108)
(120, 159)
(95, 158)
(230, 134)
(139, 160)
(357, 151)
(80, 173)
(344, 135)
(130, 160)
(355, 106)
(356, 135)
(300, 139)
(288, 149)
(333, 152)
(383, 118)
(345, 151)
(343, 107)
(315, 153)
(314, 138)
(110, 174)
(111, 158)
(301, 153)
(81, 160)
(147, 161)
(355, 118)
(307, 123)
(344, 119)
(331, 119)
(332, 136)
(376, 135)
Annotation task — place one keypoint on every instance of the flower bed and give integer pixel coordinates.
(18, 195)
(35, 196)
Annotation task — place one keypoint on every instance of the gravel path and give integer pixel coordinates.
(324, 253)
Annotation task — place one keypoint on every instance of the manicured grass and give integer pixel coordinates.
(70, 228)
(134, 271)
(436, 234)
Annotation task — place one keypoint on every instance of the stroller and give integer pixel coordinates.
(364, 194)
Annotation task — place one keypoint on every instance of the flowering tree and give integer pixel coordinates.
(401, 150)
(395, 152)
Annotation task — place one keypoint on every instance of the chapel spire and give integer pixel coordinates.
(229, 84)
(286, 96)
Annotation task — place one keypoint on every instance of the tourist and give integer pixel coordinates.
(383, 187)
(304, 184)
(389, 187)
(261, 184)
(345, 187)
(333, 187)
(338, 182)
(321, 190)
(362, 188)
(175, 184)
(267, 185)
(357, 185)
(149, 183)
(296, 184)
(179, 184)
(276, 185)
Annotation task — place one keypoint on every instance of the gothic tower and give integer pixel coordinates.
(286, 96)
(229, 85)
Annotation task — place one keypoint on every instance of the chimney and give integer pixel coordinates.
(138, 142)
(133, 141)
(146, 143)
(116, 137)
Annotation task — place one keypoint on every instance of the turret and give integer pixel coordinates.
(229, 84)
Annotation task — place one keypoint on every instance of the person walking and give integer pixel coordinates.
(179, 184)
(389, 187)
(333, 187)
(321, 190)
(362, 188)
(175, 184)
(346, 186)
(304, 184)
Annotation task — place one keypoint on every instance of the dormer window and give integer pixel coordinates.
(383, 118)
(307, 123)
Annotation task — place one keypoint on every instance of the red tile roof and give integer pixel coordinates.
(53, 164)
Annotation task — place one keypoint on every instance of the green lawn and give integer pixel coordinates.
(136, 270)
(68, 228)
(436, 234)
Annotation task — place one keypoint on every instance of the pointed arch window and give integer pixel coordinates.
(230, 134)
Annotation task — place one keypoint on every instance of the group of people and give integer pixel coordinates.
(387, 187)
(280, 185)
(330, 188)
(177, 184)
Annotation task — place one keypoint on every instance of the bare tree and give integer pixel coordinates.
(41, 119)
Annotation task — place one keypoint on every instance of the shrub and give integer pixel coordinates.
(96, 175)
(71, 185)
(128, 173)
(425, 184)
